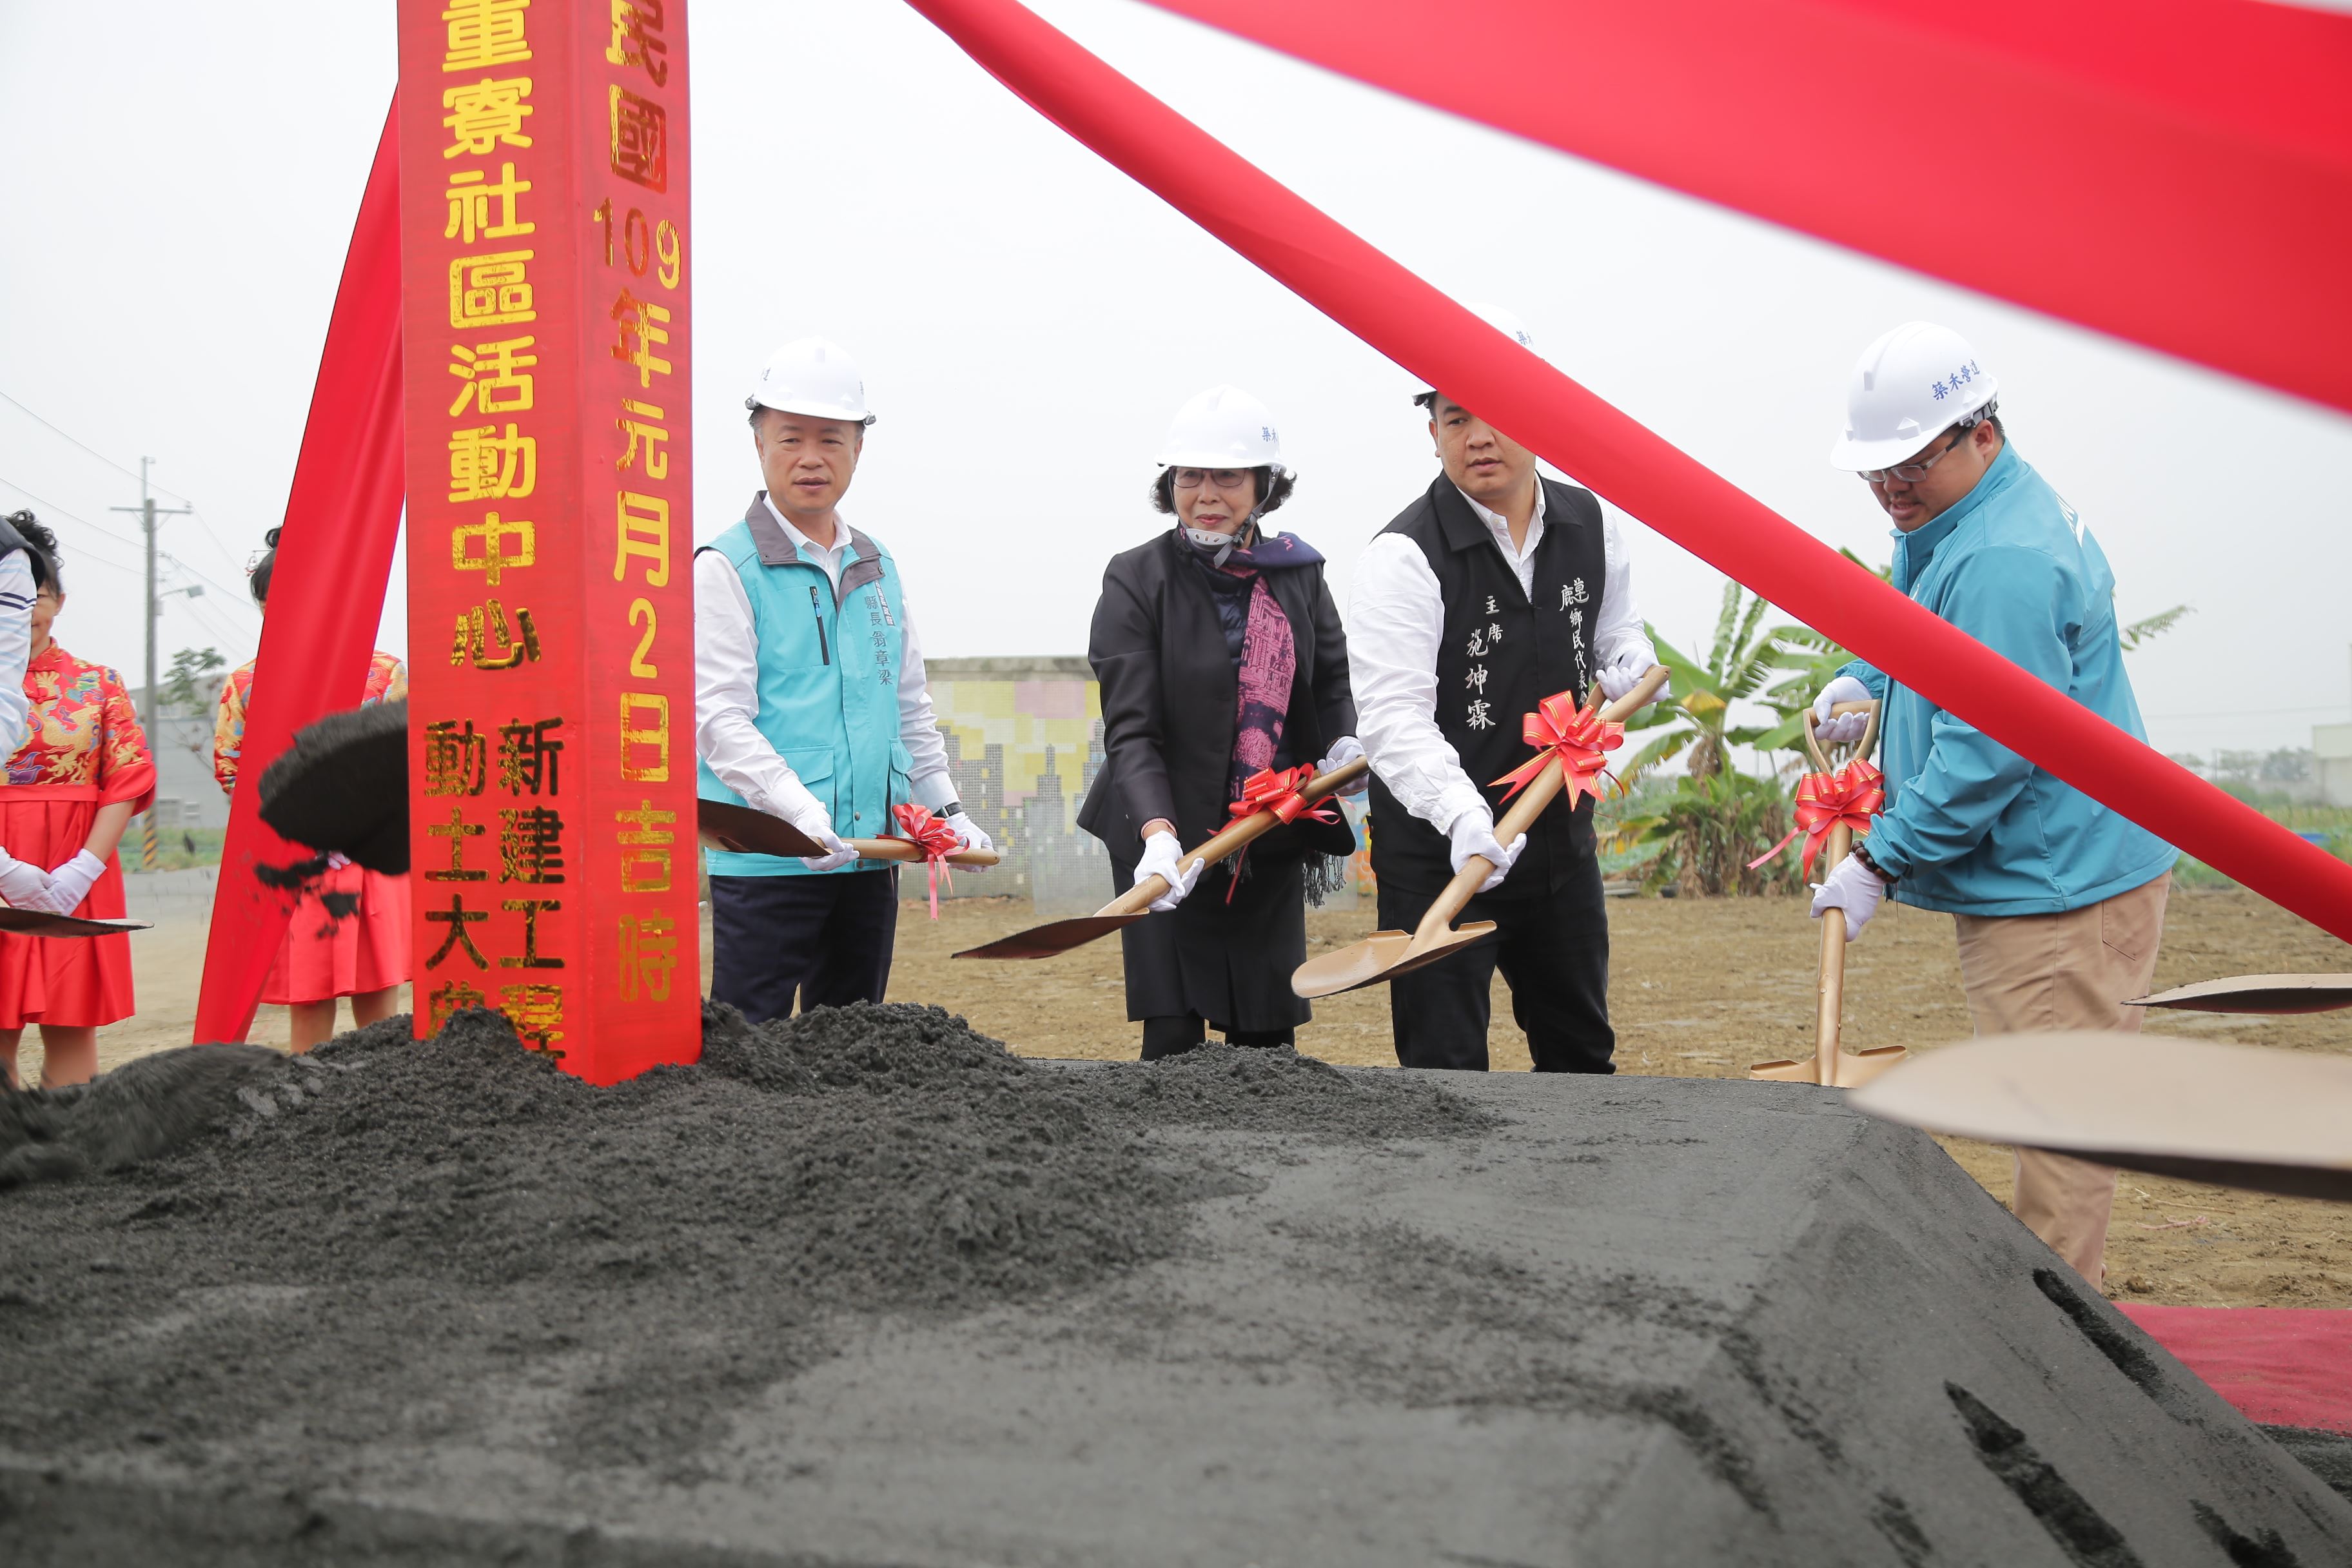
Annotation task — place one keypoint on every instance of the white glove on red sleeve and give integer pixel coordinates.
(1838, 732)
(973, 836)
(69, 884)
(1474, 833)
(1853, 887)
(25, 887)
(1345, 749)
(1162, 857)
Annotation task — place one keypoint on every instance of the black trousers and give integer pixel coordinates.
(1174, 1035)
(826, 939)
(1553, 950)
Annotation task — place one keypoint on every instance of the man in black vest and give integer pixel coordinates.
(1494, 590)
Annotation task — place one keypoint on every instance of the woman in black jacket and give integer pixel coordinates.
(1220, 653)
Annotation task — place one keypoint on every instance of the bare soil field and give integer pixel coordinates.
(1700, 988)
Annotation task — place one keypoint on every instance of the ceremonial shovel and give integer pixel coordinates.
(741, 830)
(1060, 936)
(1831, 1065)
(1385, 955)
(2239, 1116)
(34, 922)
(2256, 994)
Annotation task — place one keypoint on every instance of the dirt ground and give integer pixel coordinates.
(1700, 988)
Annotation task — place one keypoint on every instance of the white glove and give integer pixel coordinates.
(1853, 888)
(1161, 855)
(1474, 833)
(70, 883)
(1345, 749)
(973, 836)
(837, 854)
(1838, 732)
(1623, 676)
(25, 887)
(793, 802)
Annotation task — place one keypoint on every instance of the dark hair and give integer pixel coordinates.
(258, 578)
(43, 555)
(1273, 490)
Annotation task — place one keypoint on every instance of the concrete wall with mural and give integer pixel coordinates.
(1024, 741)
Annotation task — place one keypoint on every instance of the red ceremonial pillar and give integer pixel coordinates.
(543, 245)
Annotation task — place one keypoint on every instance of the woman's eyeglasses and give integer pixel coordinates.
(1223, 478)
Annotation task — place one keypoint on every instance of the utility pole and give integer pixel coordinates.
(148, 511)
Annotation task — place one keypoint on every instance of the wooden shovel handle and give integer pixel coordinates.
(1820, 759)
(1235, 837)
(904, 850)
(1526, 807)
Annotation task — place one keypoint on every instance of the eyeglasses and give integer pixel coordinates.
(1910, 473)
(1223, 478)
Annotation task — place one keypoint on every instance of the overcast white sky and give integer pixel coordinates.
(1028, 318)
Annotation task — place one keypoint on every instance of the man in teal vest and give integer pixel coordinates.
(2058, 901)
(810, 704)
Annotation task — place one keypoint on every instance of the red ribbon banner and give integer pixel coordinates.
(935, 839)
(1580, 737)
(1436, 339)
(1851, 795)
(1277, 790)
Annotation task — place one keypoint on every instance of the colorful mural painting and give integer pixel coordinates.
(1024, 740)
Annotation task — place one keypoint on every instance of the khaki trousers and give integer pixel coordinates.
(2031, 972)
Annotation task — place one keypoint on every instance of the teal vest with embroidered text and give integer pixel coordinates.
(828, 682)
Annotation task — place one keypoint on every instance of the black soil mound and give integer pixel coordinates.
(370, 1233)
(141, 1110)
(343, 784)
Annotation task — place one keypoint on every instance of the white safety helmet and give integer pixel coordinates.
(814, 376)
(1503, 321)
(1909, 387)
(1223, 427)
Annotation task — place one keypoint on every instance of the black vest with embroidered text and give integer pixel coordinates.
(1502, 652)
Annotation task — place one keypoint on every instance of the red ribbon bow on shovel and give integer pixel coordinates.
(935, 839)
(1275, 790)
(1851, 795)
(1578, 736)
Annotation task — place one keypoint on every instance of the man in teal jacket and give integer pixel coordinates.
(811, 705)
(2058, 901)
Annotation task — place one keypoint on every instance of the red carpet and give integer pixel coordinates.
(2281, 1366)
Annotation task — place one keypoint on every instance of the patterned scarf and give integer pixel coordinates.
(1267, 659)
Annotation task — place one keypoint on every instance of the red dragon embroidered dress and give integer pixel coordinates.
(83, 749)
(326, 955)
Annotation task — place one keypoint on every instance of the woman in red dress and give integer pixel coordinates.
(348, 936)
(73, 787)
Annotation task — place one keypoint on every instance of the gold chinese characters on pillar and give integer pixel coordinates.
(543, 254)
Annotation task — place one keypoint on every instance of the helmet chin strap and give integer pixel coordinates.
(1223, 543)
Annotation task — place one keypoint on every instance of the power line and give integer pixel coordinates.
(54, 509)
(86, 447)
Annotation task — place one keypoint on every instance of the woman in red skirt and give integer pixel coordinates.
(349, 935)
(73, 787)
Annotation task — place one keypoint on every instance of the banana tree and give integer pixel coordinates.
(1696, 716)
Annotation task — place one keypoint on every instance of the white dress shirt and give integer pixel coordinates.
(15, 646)
(1396, 616)
(727, 687)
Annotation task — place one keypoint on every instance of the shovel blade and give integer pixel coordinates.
(2257, 993)
(1052, 938)
(33, 922)
(1855, 1068)
(1383, 955)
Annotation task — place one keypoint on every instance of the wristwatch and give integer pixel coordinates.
(952, 808)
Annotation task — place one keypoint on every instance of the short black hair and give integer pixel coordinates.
(258, 578)
(43, 555)
(1273, 488)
